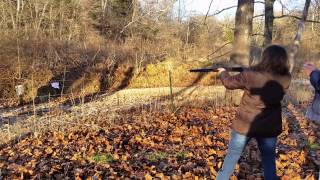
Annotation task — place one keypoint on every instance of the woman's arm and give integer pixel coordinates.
(314, 74)
(238, 81)
(315, 79)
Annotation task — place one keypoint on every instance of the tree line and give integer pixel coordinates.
(54, 35)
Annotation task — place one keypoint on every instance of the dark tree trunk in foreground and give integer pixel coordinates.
(268, 23)
(243, 31)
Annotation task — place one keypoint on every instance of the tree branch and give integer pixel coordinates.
(220, 11)
(256, 16)
(257, 34)
(261, 2)
(296, 43)
(205, 19)
(227, 8)
(221, 47)
(287, 16)
(295, 17)
(161, 12)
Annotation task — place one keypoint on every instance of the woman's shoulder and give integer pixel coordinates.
(267, 76)
(256, 72)
(253, 73)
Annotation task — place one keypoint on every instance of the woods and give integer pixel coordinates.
(63, 34)
(101, 89)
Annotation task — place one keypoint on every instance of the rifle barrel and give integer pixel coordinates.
(204, 70)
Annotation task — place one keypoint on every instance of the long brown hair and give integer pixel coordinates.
(274, 60)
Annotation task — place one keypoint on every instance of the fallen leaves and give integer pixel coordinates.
(148, 176)
(190, 144)
(21, 169)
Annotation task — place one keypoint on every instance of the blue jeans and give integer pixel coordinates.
(267, 147)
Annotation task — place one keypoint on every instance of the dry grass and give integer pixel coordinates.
(52, 116)
(157, 75)
(150, 99)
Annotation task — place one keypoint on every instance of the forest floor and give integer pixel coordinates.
(138, 134)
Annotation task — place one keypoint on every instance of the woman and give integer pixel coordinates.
(313, 112)
(259, 113)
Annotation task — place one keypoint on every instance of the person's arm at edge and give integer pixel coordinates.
(315, 79)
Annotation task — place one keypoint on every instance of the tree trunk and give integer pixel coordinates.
(296, 43)
(243, 31)
(268, 23)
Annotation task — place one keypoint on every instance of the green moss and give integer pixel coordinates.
(157, 156)
(103, 158)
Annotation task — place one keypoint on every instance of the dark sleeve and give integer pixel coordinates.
(238, 81)
(315, 79)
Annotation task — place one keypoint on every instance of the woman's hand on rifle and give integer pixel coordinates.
(220, 70)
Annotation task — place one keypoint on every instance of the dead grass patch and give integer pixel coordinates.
(157, 75)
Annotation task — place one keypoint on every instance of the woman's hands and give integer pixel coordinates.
(220, 70)
(308, 68)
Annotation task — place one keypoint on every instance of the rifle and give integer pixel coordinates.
(215, 69)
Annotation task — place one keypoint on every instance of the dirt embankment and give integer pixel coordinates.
(102, 77)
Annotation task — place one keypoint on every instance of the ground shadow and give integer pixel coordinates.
(302, 138)
(106, 87)
(65, 79)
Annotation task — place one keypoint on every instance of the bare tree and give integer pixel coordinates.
(242, 33)
(296, 43)
(268, 23)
